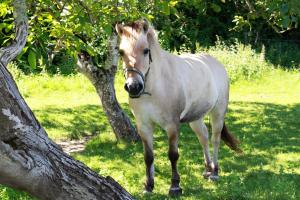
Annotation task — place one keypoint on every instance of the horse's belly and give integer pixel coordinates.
(197, 104)
(195, 112)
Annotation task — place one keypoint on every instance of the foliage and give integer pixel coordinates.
(278, 14)
(59, 29)
(67, 27)
(191, 22)
(282, 53)
(10, 194)
(247, 63)
(6, 23)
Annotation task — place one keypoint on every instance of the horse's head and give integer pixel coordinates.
(135, 51)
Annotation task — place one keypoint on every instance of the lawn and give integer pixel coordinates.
(264, 114)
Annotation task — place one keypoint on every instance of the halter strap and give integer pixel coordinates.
(144, 78)
(150, 57)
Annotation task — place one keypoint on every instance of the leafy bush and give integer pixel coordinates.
(16, 72)
(241, 61)
(285, 54)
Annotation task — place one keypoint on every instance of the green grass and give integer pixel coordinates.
(264, 114)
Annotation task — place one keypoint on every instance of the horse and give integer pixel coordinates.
(168, 90)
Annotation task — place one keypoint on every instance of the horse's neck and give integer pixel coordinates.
(158, 67)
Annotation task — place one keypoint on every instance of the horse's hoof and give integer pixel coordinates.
(145, 192)
(213, 177)
(206, 175)
(176, 191)
(148, 188)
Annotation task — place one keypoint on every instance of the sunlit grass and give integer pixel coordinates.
(263, 113)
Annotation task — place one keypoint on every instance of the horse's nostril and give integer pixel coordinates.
(126, 87)
(140, 86)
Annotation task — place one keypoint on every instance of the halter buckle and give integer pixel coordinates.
(144, 77)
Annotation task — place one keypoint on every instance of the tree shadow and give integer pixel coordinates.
(269, 127)
(74, 122)
(285, 53)
(265, 130)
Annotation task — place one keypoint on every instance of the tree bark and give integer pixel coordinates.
(103, 80)
(29, 160)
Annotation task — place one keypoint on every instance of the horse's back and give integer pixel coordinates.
(207, 62)
(206, 84)
(209, 67)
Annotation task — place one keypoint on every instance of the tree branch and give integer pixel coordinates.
(29, 160)
(9, 53)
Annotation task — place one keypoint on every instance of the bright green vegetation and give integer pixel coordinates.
(59, 29)
(264, 114)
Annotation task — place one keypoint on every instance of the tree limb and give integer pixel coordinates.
(9, 53)
(103, 80)
(30, 161)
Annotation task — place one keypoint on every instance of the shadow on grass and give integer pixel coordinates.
(265, 130)
(281, 53)
(74, 122)
(260, 126)
(265, 126)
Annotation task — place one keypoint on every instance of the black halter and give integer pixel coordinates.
(144, 77)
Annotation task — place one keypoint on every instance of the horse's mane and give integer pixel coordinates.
(135, 29)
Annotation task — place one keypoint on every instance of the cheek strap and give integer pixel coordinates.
(144, 78)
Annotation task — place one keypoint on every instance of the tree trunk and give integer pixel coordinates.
(29, 160)
(103, 80)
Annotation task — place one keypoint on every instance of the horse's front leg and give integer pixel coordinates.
(147, 139)
(173, 134)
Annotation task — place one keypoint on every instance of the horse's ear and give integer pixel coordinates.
(145, 26)
(119, 29)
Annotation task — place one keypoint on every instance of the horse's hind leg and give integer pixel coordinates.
(217, 122)
(173, 133)
(201, 131)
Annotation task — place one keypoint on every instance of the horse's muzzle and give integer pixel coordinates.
(134, 88)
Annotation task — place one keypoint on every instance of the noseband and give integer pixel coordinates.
(144, 77)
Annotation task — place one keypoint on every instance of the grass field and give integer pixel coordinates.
(264, 114)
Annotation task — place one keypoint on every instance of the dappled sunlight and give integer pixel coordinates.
(268, 142)
(72, 122)
(266, 124)
(269, 135)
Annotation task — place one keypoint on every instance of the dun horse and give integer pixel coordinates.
(167, 90)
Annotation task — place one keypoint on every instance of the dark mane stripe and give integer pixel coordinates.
(136, 25)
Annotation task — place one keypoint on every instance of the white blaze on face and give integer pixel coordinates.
(133, 47)
(131, 61)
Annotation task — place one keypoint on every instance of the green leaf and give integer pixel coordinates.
(8, 27)
(3, 26)
(286, 22)
(108, 29)
(32, 59)
(215, 7)
(284, 8)
(22, 52)
(90, 50)
(166, 8)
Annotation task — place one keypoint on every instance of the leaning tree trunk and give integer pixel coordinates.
(29, 160)
(103, 80)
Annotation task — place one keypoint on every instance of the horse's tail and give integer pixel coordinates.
(230, 140)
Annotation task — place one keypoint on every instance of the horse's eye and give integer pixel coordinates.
(121, 52)
(146, 51)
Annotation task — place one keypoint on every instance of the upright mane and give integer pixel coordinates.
(133, 30)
